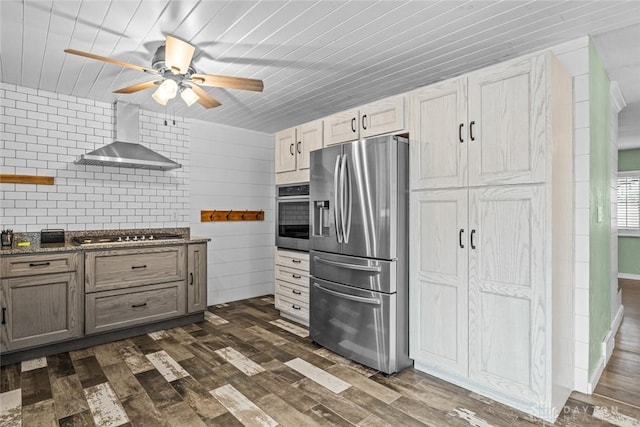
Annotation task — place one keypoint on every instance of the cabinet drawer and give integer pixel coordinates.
(30, 265)
(293, 276)
(292, 307)
(123, 308)
(123, 268)
(293, 260)
(292, 291)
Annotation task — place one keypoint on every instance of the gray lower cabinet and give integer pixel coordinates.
(41, 300)
(197, 277)
(129, 287)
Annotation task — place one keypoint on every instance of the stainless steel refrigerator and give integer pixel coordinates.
(359, 203)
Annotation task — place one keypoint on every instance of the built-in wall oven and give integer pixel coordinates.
(292, 217)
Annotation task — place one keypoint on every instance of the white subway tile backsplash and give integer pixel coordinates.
(45, 132)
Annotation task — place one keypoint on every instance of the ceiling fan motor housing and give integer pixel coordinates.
(158, 64)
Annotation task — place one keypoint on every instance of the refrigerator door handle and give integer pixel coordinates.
(345, 199)
(336, 192)
(376, 269)
(374, 301)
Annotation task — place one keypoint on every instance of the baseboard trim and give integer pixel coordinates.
(628, 276)
(597, 373)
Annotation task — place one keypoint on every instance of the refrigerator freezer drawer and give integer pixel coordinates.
(357, 324)
(365, 273)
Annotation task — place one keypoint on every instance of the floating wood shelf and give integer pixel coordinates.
(231, 215)
(26, 179)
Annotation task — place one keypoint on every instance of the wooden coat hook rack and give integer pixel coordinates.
(231, 215)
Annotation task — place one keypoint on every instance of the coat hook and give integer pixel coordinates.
(229, 213)
(242, 217)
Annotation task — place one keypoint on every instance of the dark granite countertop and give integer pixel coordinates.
(35, 247)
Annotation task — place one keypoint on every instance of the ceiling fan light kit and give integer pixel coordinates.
(173, 66)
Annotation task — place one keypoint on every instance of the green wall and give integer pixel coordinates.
(629, 160)
(629, 246)
(600, 199)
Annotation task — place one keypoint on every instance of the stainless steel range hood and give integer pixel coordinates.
(126, 152)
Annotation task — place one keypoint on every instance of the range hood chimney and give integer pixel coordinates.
(126, 152)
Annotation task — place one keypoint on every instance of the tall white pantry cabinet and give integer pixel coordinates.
(491, 259)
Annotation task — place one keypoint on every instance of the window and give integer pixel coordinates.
(629, 201)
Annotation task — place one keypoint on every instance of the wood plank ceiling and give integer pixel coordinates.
(315, 57)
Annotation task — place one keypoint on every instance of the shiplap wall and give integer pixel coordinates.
(232, 168)
(42, 133)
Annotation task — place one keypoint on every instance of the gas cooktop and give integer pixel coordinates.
(101, 239)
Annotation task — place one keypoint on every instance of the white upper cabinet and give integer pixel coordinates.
(377, 118)
(439, 136)
(484, 128)
(507, 123)
(292, 151)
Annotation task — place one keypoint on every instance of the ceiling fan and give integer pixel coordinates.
(172, 64)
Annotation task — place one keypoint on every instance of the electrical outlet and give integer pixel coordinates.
(174, 215)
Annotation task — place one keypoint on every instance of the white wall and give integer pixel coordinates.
(232, 168)
(42, 133)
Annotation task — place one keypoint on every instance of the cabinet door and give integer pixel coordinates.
(40, 310)
(507, 327)
(507, 120)
(438, 279)
(197, 278)
(384, 116)
(341, 127)
(286, 150)
(309, 138)
(439, 136)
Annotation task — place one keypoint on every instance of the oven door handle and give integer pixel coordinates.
(365, 300)
(376, 269)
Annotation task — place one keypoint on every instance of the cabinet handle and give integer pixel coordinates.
(295, 307)
(138, 305)
(299, 147)
(296, 261)
(191, 279)
(135, 267)
(364, 123)
(4, 313)
(472, 233)
(460, 238)
(471, 131)
(460, 132)
(291, 149)
(296, 292)
(353, 125)
(39, 264)
(296, 276)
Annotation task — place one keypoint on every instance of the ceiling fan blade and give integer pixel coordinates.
(137, 87)
(178, 55)
(110, 60)
(228, 82)
(206, 100)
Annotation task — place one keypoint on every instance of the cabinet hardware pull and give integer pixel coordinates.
(295, 307)
(296, 276)
(296, 292)
(138, 305)
(191, 279)
(296, 261)
(134, 267)
(4, 313)
(460, 238)
(353, 125)
(460, 132)
(291, 148)
(364, 123)
(472, 233)
(471, 131)
(299, 145)
(39, 264)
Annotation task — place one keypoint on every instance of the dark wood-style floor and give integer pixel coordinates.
(247, 366)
